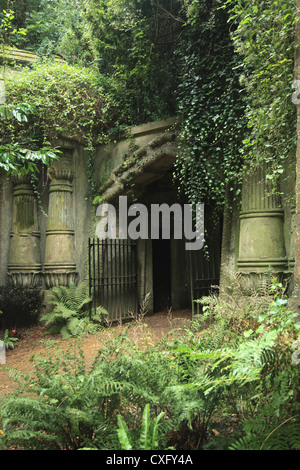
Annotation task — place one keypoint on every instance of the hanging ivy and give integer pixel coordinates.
(210, 100)
(264, 40)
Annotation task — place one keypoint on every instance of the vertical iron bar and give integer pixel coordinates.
(90, 280)
(99, 273)
(120, 299)
(115, 296)
(132, 288)
(191, 282)
(123, 263)
(102, 274)
(110, 278)
(105, 277)
(94, 278)
(128, 274)
(113, 276)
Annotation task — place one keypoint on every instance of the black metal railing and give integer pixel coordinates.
(113, 277)
(205, 270)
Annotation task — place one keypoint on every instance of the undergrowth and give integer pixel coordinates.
(229, 385)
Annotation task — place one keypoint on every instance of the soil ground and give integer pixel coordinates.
(34, 340)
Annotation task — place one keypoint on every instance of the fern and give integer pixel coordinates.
(149, 433)
(265, 433)
(70, 314)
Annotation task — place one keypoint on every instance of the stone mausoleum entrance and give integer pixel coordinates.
(124, 273)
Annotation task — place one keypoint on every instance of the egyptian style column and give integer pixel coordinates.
(59, 264)
(261, 239)
(24, 264)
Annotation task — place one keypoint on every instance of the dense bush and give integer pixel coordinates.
(20, 306)
(65, 100)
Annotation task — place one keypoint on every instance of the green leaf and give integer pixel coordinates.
(154, 431)
(145, 437)
(124, 434)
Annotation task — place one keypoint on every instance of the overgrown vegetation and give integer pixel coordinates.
(65, 101)
(225, 386)
(227, 68)
(210, 99)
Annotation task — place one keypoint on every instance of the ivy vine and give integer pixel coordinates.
(264, 40)
(235, 95)
(210, 100)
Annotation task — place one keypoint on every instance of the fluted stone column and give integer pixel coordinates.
(261, 240)
(24, 265)
(59, 264)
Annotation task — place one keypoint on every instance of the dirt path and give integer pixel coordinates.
(35, 341)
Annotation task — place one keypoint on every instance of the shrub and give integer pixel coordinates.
(64, 99)
(20, 306)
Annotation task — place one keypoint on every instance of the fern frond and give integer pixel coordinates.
(145, 436)
(267, 434)
(124, 434)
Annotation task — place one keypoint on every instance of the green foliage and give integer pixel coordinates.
(19, 112)
(70, 315)
(235, 95)
(66, 100)
(264, 39)
(135, 42)
(77, 408)
(69, 411)
(227, 68)
(8, 32)
(210, 100)
(131, 43)
(149, 434)
(20, 306)
(14, 158)
(52, 27)
(267, 433)
(8, 341)
(184, 385)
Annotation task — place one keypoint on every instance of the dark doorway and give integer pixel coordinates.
(161, 250)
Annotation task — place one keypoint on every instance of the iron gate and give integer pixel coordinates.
(205, 264)
(113, 277)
